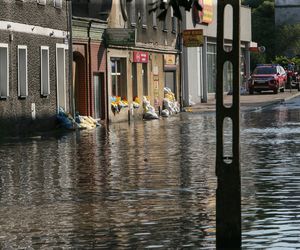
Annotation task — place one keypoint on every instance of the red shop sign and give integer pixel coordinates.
(140, 57)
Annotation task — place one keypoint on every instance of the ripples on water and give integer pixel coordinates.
(149, 185)
(137, 186)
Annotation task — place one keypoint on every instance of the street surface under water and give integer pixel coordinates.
(150, 185)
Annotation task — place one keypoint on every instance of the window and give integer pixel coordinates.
(145, 79)
(58, 4)
(4, 75)
(144, 14)
(61, 76)
(132, 13)
(119, 83)
(41, 2)
(22, 72)
(174, 24)
(154, 16)
(45, 81)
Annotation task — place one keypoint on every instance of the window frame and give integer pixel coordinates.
(20, 95)
(43, 48)
(5, 45)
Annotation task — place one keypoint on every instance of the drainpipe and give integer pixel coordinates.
(89, 71)
(70, 41)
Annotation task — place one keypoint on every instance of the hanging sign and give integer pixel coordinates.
(192, 38)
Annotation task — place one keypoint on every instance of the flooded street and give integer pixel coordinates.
(150, 185)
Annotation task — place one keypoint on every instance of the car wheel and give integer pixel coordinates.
(251, 91)
(282, 89)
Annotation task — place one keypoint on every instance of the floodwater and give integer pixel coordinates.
(150, 185)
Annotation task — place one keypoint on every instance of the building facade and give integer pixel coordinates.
(287, 12)
(33, 63)
(142, 57)
(199, 63)
(89, 21)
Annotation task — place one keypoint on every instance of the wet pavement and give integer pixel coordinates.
(150, 184)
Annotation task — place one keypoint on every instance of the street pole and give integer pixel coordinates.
(228, 195)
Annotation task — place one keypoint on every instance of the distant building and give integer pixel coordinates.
(287, 12)
(33, 63)
(200, 63)
(142, 56)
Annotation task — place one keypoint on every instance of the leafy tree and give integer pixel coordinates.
(263, 27)
(288, 40)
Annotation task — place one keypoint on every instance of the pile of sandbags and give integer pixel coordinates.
(86, 122)
(149, 111)
(170, 105)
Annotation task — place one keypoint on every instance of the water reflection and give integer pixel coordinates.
(138, 186)
(149, 185)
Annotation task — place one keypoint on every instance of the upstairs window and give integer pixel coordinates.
(174, 24)
(154, 17)
(144, 14)
(45, 81)
(22, 72)
(132, 13)
(58, 4)
(4, 71)
(41, 2)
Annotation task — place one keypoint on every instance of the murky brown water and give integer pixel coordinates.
(149, 185)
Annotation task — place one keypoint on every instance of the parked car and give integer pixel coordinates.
(267, 77)
(293, 77)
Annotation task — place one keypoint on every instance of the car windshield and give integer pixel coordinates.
(264, 70)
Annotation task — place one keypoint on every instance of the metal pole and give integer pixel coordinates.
(228, 195)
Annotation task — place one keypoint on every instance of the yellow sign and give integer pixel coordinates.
(192, 38)
(169, 59)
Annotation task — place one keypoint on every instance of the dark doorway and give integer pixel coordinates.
(99, 97)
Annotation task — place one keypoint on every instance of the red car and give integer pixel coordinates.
(267, 77)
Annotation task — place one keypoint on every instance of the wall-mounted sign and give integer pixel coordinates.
(140, 57)
(192, 38)
(169, 59)
(120, 36)
(169, 62)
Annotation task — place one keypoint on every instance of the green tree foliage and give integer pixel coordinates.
(263, 28)
(288, 40)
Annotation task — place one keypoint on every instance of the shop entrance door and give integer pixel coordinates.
(99, 99)
(170, 81)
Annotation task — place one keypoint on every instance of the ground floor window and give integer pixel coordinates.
(118, 77)
(170, 81)
(211, 67)
(145, 79)
(22, 72)
(4, 75)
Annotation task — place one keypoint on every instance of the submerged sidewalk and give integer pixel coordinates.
(257, 100)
